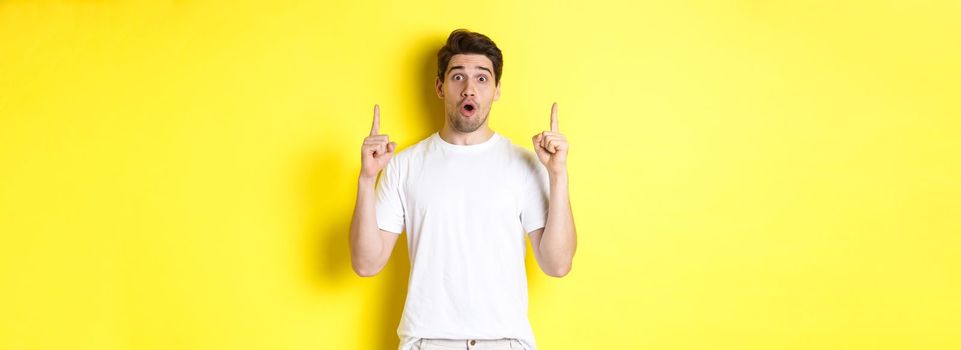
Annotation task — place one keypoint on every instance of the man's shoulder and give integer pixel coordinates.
(520, 152)
(405, 153)
(524, 161)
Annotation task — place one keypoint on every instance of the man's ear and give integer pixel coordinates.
(439, 88)
(497, 92)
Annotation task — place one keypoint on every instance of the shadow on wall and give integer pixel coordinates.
(431, 106)
(330, 195)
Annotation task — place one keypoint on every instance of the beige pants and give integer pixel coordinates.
(468, 344)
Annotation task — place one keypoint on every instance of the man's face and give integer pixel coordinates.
(468, 91)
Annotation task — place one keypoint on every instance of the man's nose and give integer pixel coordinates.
(468, 90)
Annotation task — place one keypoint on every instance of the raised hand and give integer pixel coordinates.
(551, 146)
(376, 151)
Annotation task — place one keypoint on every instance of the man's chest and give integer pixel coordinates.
(479, 188)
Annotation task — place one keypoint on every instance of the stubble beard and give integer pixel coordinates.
(463, 124)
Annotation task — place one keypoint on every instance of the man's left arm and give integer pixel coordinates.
(555, 244)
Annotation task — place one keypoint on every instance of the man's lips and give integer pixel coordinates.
(468, 108)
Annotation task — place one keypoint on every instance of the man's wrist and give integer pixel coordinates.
(366, 180)
(557, 174)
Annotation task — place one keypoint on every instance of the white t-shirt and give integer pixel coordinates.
(466, 210)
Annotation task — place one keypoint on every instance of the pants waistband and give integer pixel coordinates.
(465, 342)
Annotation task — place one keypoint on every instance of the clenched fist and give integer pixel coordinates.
(551, 146)
(376, 151)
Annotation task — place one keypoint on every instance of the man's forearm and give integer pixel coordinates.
(365, 242)
(559, 240)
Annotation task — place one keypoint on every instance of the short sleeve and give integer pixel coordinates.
(389, 208)
(534, 194)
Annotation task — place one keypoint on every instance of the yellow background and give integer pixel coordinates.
(745, 174)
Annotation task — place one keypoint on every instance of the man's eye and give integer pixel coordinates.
(457, 77)
(483, 78)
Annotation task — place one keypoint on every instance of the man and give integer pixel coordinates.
(465, 196)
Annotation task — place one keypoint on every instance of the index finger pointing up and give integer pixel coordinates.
(554, 117)
(375, 128)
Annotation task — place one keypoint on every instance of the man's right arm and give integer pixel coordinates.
(370, 247)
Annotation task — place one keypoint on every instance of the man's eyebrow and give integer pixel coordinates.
(462, 67)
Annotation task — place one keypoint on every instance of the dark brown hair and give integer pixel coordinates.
(463, 41)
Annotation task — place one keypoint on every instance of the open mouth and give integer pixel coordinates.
(468, 109)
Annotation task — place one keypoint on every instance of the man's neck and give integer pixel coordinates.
(452, 136)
